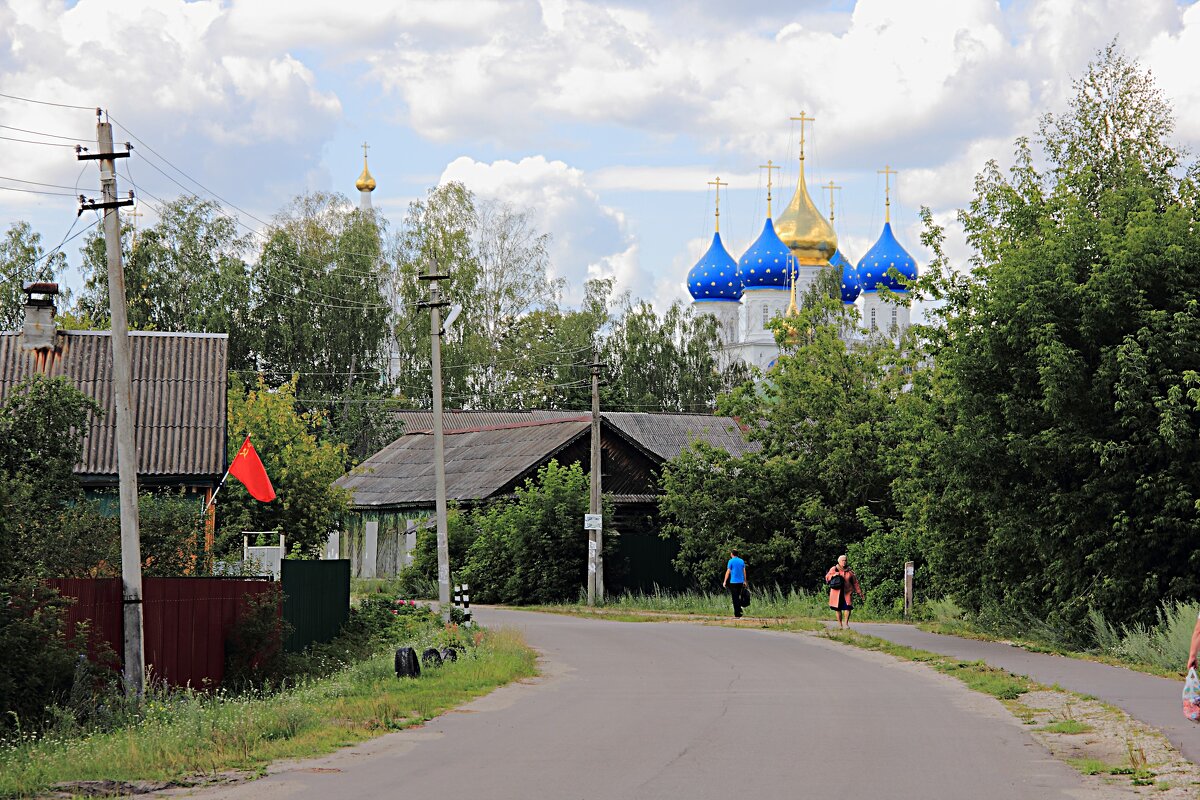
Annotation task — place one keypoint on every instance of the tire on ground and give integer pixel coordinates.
(407, 665)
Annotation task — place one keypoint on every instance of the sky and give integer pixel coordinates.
(604, 120)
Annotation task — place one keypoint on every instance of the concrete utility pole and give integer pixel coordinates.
(435, 304)
(131, 546)
(596, 535)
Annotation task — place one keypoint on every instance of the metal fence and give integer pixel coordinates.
(186, 621)
(316, 600)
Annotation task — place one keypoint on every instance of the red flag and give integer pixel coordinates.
(248, 468)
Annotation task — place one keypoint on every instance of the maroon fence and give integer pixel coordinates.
(185, 621)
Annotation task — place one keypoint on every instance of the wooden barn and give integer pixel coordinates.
(490, 453)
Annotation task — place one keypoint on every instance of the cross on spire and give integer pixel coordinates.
(803, 118)
(133, 214)
(831, 186)
(887, 172)
(365, 147)
(770, 165)
(718, 183)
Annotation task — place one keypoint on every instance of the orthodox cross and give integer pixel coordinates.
(831, 186)
(770, 165)
(887, 172)
(134, 214)
(803, 118)
(718, 183)
(365, 147)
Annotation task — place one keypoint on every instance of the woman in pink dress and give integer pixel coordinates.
(843, 585)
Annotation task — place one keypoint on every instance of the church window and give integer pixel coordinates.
(873, 326)
(766, 315)
(893, 317)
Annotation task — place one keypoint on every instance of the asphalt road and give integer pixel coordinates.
(1149, 698)
(660, 710)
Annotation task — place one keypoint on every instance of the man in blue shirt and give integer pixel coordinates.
(735, 579)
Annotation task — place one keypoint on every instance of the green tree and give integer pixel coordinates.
(22, 259)
(320, 307)
(301, 464)
(823, 475)
(42, 425)
(187, 272)
(1066, 472)
(665, 363)
(533, 550)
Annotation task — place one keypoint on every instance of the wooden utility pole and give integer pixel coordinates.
(131, 547)
(435, 304)
(595, 477)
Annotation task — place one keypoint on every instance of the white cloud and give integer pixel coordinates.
(589, 239)
(665, 179)
(168, 72)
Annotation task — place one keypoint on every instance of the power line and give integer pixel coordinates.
(74, 189)
(34, 141)
(46, 102)
(237, 221)
(35, 191)
(184, 174)
(344, 304)
(43, 133)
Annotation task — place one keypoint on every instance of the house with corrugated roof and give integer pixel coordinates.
(489, 454)
(179, 395)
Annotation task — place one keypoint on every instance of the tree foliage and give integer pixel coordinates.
(22, 258)
(532, 550)
(1067, 465)
(301, 464)
(822, 477)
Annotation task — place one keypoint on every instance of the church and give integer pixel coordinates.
(744, 294)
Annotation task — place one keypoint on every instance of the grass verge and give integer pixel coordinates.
(965, 630)
(200, 736)
(975, 674)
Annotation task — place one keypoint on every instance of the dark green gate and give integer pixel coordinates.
(316, 600)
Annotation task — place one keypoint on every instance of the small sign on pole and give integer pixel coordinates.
(909, 570)
(592, 522)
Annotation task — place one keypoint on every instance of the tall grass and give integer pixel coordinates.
(1164, 644)
(764, 602)
(190, 734)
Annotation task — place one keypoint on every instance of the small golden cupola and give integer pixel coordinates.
(365, 183)
(804, 229)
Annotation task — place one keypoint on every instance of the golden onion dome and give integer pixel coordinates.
(365, 182)
(805, 230)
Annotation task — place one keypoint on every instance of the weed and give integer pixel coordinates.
(1068, 726)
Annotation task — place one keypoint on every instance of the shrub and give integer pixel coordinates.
(534, 549)
(40, 657)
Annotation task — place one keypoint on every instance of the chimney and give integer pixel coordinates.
(39, 315)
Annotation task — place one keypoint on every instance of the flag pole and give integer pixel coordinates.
(214, 494)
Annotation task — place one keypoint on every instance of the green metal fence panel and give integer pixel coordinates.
(316, 600)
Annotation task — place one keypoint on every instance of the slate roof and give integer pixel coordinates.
(479, 461)
(179, 385)
(667, 435)
(488, 450)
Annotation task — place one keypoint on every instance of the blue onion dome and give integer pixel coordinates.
(851, 285)
(766, 263)
(884, 254)
(715, 276)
